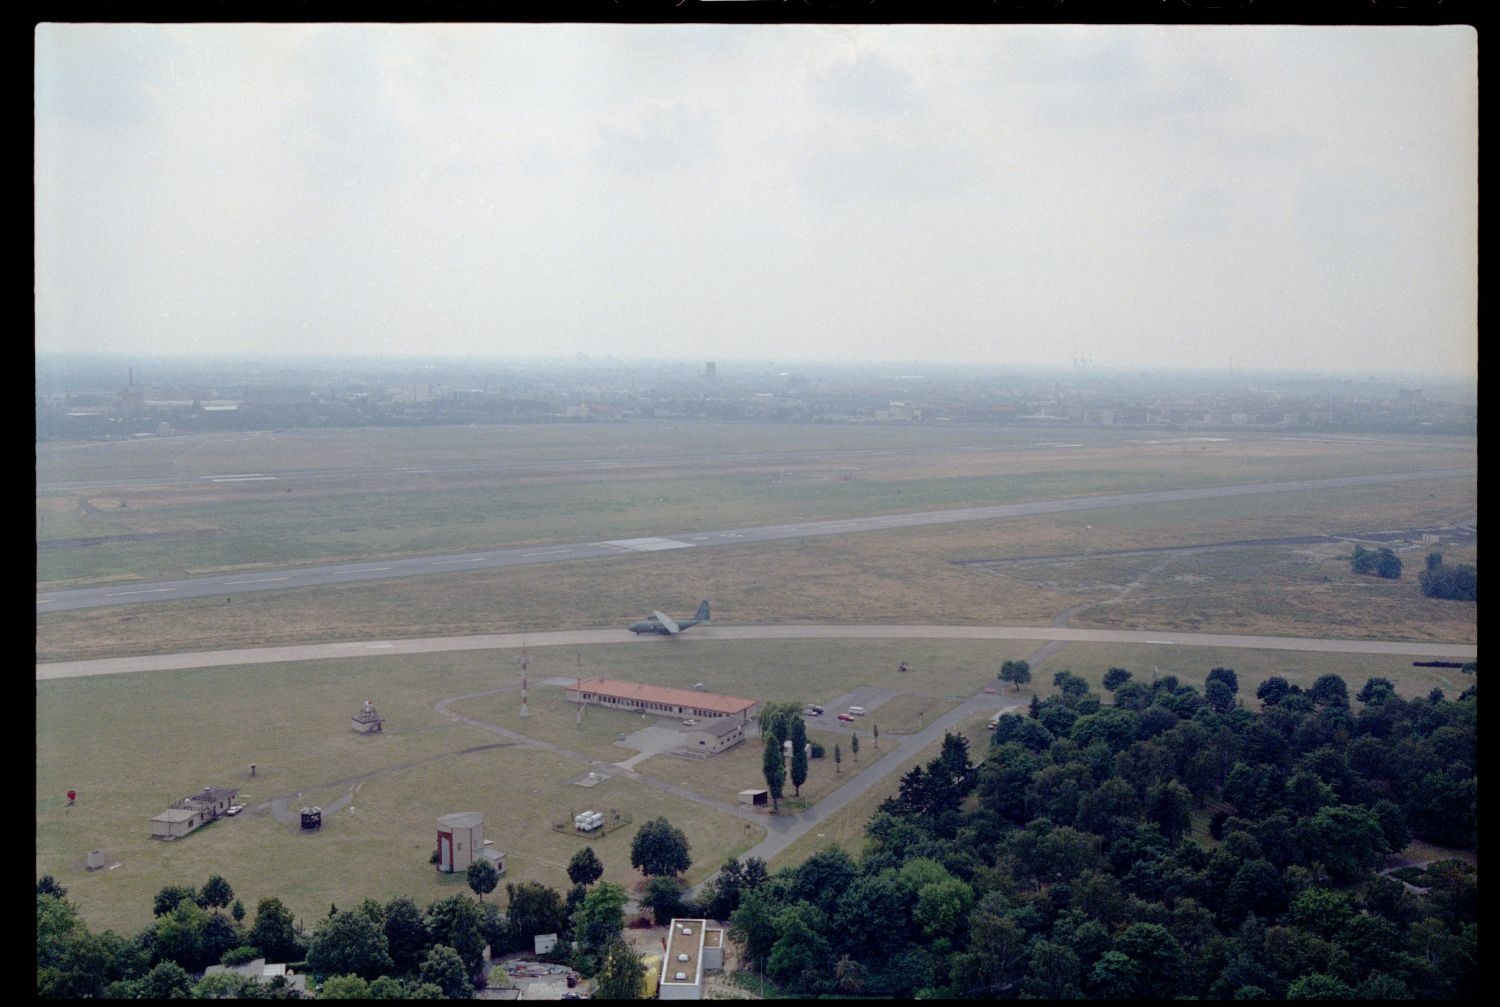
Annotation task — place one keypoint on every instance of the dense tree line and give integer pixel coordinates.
(1454, 583)
(1067, 862)
(394, 950)
(1155, 842)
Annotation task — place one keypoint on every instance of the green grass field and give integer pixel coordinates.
(200, 526)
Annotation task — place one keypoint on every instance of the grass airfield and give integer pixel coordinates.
(131, 744)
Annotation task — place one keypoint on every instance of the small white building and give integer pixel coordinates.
(192, 812)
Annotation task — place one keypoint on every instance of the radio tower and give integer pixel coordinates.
(580, 689)
(524, 659)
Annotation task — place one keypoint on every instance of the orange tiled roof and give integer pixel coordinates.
(691, 698)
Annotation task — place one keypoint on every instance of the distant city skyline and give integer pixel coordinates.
(1288, 198)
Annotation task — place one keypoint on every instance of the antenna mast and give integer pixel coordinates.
(524, 659)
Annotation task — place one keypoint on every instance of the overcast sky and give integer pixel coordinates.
(1299, 197)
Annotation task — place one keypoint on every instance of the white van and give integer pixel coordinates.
(856, 711)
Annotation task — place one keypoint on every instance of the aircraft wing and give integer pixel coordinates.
(666, 621)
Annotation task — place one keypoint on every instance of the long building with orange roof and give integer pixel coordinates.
(659, 699)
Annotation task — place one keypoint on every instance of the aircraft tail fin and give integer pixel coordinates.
(702, 615)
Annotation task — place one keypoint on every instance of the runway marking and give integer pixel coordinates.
(450, 562)
(257, 580)
(649, 544)
(253, 477)
(366, 569)
(548, 552)
(147, 590)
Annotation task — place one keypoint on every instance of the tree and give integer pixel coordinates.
(854, 744)
(838, 758)
(1114, 678)
(444, 968)
(799, 756)
(774, 769)
(406, 934)
(170, 897)
(215, 893)
(350, 943)
(875, 735)
(48, 886)
(534, 908)
(585, 867)
(237, 911)
(800, 947)
(664, 898)
(598, 921)
(660, 848)
(456, 922)
(167, 981)
(1454, 583)
(483, 878)
(274, 932)
(622, 974)
(1016, 672)
(339, 988)
(1273, 690)
(753, 925)
(1070, 684)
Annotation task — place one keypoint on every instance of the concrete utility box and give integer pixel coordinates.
(95, 859)
(459, 837)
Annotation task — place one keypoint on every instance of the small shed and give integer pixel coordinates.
(312, 818)
(755, 798)
(367, 721)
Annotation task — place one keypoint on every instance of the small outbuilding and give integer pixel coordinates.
(367, 721)
(460, 837)
(755, 798)
(713, 736)
(312, 818)
(192, 812)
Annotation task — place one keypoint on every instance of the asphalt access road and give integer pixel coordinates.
(573, 638)
(229, 585)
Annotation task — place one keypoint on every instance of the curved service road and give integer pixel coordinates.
(386, 569)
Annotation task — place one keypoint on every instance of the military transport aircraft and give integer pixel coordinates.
(666, 626)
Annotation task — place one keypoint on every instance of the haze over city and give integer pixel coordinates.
(1298, 198)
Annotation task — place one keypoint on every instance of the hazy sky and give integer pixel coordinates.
(1278, 196)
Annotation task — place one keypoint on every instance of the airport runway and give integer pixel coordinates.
(584, 637)
(243, 582)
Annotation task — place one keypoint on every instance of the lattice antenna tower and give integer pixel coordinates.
(580, 689)
(523, 661)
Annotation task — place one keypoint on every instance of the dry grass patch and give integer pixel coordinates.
(904, 715)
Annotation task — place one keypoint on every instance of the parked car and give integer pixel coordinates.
(816, 709)
(845, 716)
(810, 712)
(689, 723)
(234, 809)
(858, 711)
(989, 690)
